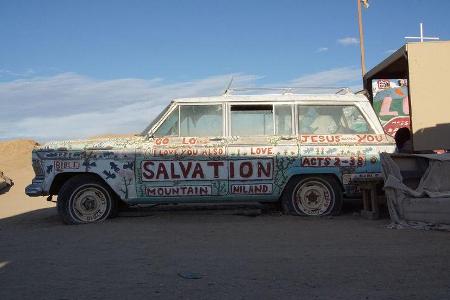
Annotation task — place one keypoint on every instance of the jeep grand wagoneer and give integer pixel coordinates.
(302, 150)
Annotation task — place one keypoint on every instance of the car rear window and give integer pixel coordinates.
(331, 119)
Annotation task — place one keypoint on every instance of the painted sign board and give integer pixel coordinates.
(244, 169)
(391, 104)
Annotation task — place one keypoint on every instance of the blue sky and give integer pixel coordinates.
(69, 62)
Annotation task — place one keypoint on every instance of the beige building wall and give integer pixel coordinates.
(429, 86)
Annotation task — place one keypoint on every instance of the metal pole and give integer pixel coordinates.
(361, 39)
(421, 32)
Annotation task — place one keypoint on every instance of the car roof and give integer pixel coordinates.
(350, 97)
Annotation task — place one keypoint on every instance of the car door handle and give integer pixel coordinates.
(287, 138)
(216, 139)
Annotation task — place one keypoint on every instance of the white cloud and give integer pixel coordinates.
(347, 41)
(338, 77)
(322, 49)
(390, 51)
(70, 105)
(9, 73)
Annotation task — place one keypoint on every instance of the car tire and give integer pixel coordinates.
(316, 195)
(86, 199)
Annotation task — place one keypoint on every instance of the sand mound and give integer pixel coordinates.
(15, 154)
(15, 162)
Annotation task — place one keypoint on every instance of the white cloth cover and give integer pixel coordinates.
(427, 206)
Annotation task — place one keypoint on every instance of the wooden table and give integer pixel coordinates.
(368, 187)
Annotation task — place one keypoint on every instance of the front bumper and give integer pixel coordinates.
(35, 189)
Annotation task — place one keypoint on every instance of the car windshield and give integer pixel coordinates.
(156, 119)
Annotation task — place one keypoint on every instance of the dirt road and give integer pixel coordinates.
(237, 257)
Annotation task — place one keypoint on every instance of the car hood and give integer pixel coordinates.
(93, 144)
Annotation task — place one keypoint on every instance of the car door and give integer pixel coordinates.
(261, 149)
(185, 159)
(335, 138)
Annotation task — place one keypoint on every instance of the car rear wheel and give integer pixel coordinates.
(318, 195)
(85, 199)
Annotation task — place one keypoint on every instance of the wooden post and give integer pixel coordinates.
(361, 39)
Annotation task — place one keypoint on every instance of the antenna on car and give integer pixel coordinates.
(228, 86)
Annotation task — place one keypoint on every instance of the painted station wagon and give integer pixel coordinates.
(302, 150)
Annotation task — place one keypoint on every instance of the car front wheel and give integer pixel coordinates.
(85, 199)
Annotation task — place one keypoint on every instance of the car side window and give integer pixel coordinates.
(331, 119)
(201, 120)
(251, 120)
(354, 119)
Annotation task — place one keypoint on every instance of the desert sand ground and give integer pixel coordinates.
(267, 256)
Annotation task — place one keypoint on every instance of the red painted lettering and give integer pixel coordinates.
(163, 141)
(198, 171)
(266, 170)
(190, 141)
(148, 174)
(361, 161)
(215, 165)
(185, 170)
(246, 169)
(265, 150)
(162, 171)
(306, 162)
(331, 138)
(231, 169)
(337, 161)
(361, 138)
(172, 172)
(320, 159)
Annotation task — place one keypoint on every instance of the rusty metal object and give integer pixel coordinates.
(5, 181)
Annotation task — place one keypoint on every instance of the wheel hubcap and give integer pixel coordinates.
(313, 198)
(89, 204)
